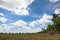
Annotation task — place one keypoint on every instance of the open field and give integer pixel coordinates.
(37, 36)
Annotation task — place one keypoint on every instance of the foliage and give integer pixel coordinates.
(56, 24)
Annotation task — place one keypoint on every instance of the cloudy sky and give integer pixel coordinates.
(26, 16)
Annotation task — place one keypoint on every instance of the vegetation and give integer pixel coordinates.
(51, 33)
(36, 36)
(55, 27)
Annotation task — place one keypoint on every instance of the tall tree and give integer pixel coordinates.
(56, 22)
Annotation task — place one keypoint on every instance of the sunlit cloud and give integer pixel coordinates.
(1, 14)
(53, 1)
(3, 20)
(18, 7)
(57, 11)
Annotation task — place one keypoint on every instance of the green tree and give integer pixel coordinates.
(56, 24)
(56, 21)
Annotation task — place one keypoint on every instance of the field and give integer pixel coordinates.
(36, 36)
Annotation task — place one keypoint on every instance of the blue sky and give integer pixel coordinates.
(26, 16)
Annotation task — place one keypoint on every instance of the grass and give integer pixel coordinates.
(36, 36)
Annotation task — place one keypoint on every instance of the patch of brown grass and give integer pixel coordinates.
(42, 36)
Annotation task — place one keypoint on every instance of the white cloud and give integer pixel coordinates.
(5, 28)
(54, 1)
(16, 27)
(32, 30)
(2, 19)
(1, 14)
(21, 26)
(25, 27)
(57, 11)
(45, 19)
(33, 23)
(19, 23)
(17, 6)
(21, 12)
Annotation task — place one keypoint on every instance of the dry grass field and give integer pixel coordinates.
(37, 36)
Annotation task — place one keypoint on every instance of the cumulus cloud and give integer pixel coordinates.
(21, 26)
(16, 6)
(54, 1)
(33, 23)
(45, 19)
(1, 14)
(5, 28)
(19, 23)
(3, 20)
(33, 30)
(57, 11)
